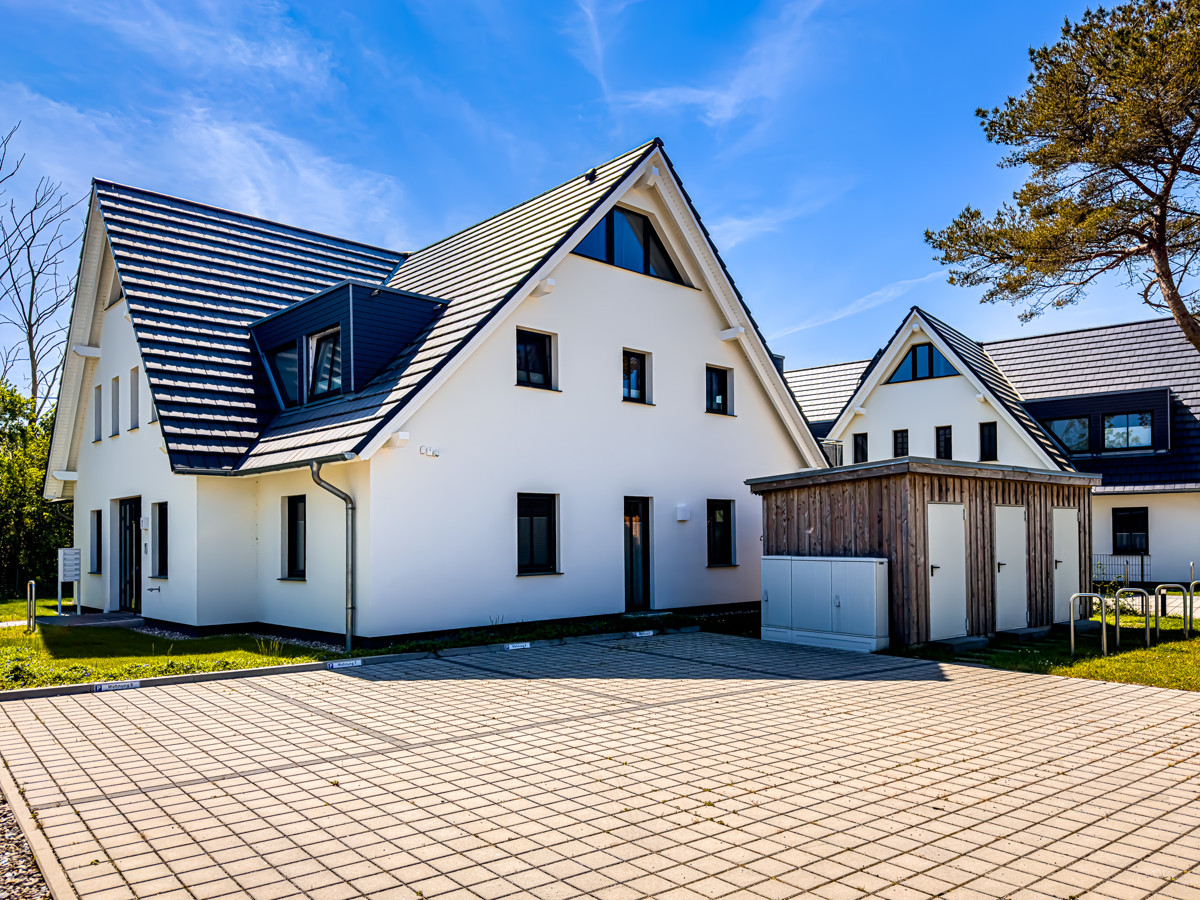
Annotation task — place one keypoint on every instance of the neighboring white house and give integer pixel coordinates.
(1122, 401)
(549, 414)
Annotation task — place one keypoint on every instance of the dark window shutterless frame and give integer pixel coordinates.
(296, 531)
(537, 534)
(900, 442)
(987, 442)
(326, 364)
(716, 393)
(860, 447)
(1131, 530)
(628, 240)
(944, 438)
(534, 360)
(720, 533)
(634, 377)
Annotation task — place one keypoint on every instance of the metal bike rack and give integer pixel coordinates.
(1145, 610)
(1071, 620)
(1161, 604)
(30, 607)
(1190, 612)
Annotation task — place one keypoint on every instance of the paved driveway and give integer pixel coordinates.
(687, 766)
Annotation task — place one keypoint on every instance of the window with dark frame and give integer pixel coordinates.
(134, 398)
(944, 437)
(633, 377)
(900, 442)
(987, 442)
(97, 549)
(98, 414)
(860, 447)
(296, 536)
(1128, 431)
(115, 400)
(285, 370)
(1074, 433)
(159, 539)
(1131, 530)
(534, 362)
(627, 239)
(326, 362)
(717, 390)
(720, 533)
(921, 362)
(537, 534)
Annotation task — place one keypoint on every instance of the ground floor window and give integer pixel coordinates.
(720, 533)
(537, 533)
(158, 540)
(295, 537)
(97, 548)
(1131, 530)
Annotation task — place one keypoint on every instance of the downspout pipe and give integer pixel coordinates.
(315, 468)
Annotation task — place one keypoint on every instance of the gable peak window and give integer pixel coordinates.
(627, 239)
(535, 359)
(325, 361)
(920, 362)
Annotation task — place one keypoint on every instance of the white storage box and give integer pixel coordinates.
(826, 601)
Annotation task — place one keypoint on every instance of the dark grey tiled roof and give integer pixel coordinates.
(195, 277)
(1118, 358)
(986, 370)
(823, 391)
(476, 270)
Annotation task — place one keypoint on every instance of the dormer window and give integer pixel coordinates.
(285, 369)
(627, 239)
(325, 361)
(920, 362)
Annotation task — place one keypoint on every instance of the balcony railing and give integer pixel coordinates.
(1127, 568)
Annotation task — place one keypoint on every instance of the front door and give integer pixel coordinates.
(637, 553)
(1012, 603)
(1066, 561)
(129, 555)
(947, 571)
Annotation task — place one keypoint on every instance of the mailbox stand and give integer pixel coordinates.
(70, 562)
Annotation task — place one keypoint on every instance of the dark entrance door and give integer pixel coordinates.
(637, 553)
(129, 555)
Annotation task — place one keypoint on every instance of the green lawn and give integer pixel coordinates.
(57, 655)
(14, 610)
(1171, 663)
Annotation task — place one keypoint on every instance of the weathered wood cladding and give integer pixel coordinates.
(883, 511)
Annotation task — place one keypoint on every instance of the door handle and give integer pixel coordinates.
(1057, 563)
(1000, 566)
(933, 569)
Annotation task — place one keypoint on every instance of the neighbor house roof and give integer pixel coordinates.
(823, 391)
(1115, 358)
(194, 278)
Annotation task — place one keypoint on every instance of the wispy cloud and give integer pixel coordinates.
(256, 40)
(760, 77)
(731, 230)
(210, 157)
(590, 30)
(885, 294)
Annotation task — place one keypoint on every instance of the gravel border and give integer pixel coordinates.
(20, 877)
(180, 636)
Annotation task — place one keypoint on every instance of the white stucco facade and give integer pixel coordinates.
(1173, 521)
(437, 530)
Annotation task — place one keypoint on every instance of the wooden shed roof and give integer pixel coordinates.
(917, 465)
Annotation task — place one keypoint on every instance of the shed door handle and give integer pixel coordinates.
(933, 569)
(1000, 566)
(1057, 563)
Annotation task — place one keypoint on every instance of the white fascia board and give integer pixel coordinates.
(492, 325)
(67, 419)
(891, 357)
(722, 290)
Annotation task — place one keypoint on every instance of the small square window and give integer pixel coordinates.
(537, 534)
(860, 447)
(717, 399)
(534, 360)
(635, 372)
(1131, 530)
(944, 436)
(900, 442)
(295, 537)
(720, 533)
(987, 442)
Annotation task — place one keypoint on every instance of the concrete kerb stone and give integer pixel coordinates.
(92, 687)
(56, 879)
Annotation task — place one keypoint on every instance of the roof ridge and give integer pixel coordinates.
(246, 216)
(1047, 334)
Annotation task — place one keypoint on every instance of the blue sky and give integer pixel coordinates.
(818, 140)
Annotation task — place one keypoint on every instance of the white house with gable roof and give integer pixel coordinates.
(549, 414)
